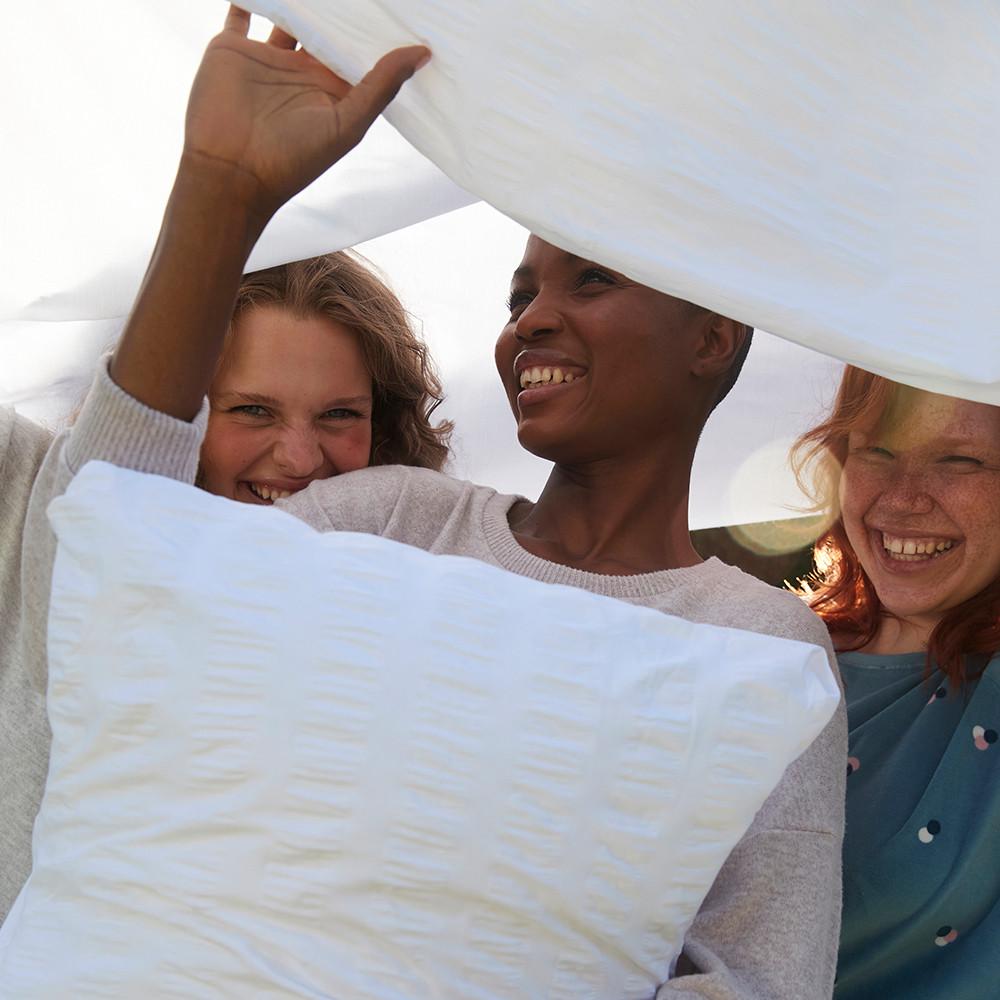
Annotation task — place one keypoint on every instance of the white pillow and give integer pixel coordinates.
(287, 764)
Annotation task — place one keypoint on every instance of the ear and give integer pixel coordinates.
(717, 346)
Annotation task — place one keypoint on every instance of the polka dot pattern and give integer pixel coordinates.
(945, 935)
(919, 846)
(983, 738)
(927, 833)
(939, 694)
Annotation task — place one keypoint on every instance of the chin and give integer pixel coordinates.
(548, 445)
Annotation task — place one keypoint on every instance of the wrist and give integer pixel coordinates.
(216, 190)
(175, 333)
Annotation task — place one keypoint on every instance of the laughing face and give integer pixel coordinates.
(920, 496)
(291, 403)
(594, 364)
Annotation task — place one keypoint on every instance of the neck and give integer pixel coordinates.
(900, 635)
(612, 516)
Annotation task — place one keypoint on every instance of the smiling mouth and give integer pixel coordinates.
(532, 378)
(267, 493)
(899, 549)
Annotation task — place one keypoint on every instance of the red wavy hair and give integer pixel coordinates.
(839, 590)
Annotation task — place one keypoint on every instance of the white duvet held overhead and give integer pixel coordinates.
(824, 171)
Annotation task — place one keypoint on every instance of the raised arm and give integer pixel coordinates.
(264, 120)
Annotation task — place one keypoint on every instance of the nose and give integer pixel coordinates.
(539, 317)
(297, 452)
(907, 491)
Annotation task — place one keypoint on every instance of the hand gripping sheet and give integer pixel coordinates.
(826, 172)
(287, 764)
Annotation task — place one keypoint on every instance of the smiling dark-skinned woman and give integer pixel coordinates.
(908, 582)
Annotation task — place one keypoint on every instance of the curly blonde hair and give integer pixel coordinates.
(405, 387)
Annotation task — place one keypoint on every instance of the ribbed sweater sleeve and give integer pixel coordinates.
(113, 427)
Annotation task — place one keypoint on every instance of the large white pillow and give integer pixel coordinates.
(287, 764)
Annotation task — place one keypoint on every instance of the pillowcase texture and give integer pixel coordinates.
(290, 764)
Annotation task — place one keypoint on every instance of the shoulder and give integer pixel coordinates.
(405, 503)
(748, 603)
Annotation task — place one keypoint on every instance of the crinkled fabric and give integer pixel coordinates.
(825, 172)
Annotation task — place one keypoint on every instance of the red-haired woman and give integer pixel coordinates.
(908, 583)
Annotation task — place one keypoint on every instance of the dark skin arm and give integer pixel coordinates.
(264, 120)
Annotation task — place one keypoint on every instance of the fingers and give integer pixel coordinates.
(281, 39)
(237, 20)
(380, 85)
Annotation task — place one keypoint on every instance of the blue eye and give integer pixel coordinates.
(250, 410)
(340, 413)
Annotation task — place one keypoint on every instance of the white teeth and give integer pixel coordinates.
(266, 492)
(543, 376)
(912, 549)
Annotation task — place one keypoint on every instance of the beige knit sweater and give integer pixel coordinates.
(23, 730)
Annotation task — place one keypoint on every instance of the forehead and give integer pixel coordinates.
(923, 419)
(274, 347)
(540, 256)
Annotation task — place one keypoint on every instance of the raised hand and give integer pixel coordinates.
(264, 120)
(276, 116)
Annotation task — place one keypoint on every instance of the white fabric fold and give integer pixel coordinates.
(825, 173)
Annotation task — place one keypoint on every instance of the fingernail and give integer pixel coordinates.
(424, 59)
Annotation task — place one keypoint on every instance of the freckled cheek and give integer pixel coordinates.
(980, 522)
(857, 493)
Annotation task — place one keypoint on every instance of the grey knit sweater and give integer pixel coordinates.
(769, 926)
(23, 730)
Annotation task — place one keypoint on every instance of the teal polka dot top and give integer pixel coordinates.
(922, 844)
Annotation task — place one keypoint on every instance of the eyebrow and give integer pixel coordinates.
(958, 442)
(261, 399)
(953, 443)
